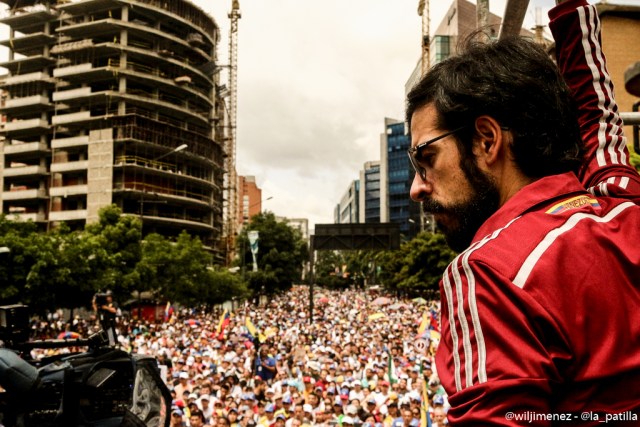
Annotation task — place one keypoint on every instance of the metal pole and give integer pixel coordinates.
(513, 17)
(636, 127)
(311, 279)
(482, 18)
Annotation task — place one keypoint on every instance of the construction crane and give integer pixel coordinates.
(423, 11)
(426, 220)
(230, 148)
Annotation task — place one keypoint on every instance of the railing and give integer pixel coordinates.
(161, 190)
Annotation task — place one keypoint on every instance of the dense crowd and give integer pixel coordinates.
(362, 360)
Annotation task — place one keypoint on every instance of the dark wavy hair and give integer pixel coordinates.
(515, 82)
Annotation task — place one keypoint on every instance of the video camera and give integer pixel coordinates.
(101, 298)
(103, 387)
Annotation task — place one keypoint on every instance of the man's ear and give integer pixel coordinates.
(489, 140)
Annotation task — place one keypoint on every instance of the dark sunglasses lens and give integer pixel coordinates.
(416, 167)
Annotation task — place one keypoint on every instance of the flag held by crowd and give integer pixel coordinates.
(225, 318)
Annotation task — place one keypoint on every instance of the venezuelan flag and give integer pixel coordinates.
(251, 328)
(225, 318)
(423, 324)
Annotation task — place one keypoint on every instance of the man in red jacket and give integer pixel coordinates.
(541, 309)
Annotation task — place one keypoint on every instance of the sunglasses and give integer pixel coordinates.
(416, 153)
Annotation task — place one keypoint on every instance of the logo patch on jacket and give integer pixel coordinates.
(573, 203)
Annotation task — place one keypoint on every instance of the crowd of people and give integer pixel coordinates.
(362, 360)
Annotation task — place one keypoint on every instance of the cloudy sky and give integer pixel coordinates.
(316, 78)
(315, 81)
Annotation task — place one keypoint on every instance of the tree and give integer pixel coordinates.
(221, 285)
(21, 239)
(281, 254)
(634, 159)
(328, 269)
(181, 272)
(418, 265)
(113, 245)
(43, 270)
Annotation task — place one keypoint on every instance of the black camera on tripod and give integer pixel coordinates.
(102, 387)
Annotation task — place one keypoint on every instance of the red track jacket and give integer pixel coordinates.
(541, 314)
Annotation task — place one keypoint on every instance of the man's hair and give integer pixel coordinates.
(515, 82)
(197, 413)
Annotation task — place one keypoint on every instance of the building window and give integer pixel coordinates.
(442, 48)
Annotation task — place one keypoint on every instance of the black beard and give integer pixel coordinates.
(469, 215)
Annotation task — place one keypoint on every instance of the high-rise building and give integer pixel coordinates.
(396, 175)
(300, 224)
(102, 97)
(370, 192)
(249, 199)
(346, 212)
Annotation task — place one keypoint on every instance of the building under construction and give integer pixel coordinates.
(113, 101)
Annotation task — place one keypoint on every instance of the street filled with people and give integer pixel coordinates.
(363, 359)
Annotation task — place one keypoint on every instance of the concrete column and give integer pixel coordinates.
(99, 172)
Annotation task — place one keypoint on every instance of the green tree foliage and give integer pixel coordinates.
(114, 247)
(634, 159)
(342, 269)
(418, 265)
(63, 268)
(221, 285)
(328, 270)
(281, 254)
(20, 239)
(180, 272)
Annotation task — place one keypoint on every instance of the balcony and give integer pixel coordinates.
(29, 64)
(27, 147)
(27, 78)
(21, 128)
(80, 214)
(24, 194)
(24, 217)
(24, 171)
(27, 104)
(70, 166)
(76, 141)
(71, 94)
(30, 44)
(28, 18)
(71, 118)
(69, 190)
(74, 69)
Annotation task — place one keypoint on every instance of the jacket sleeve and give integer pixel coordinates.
(576, 29)
(492, 360)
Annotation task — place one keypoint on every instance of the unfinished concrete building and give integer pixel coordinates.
(101, 98)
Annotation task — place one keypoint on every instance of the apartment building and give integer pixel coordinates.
(113, 101)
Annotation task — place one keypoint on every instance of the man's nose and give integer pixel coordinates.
(420, 189)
